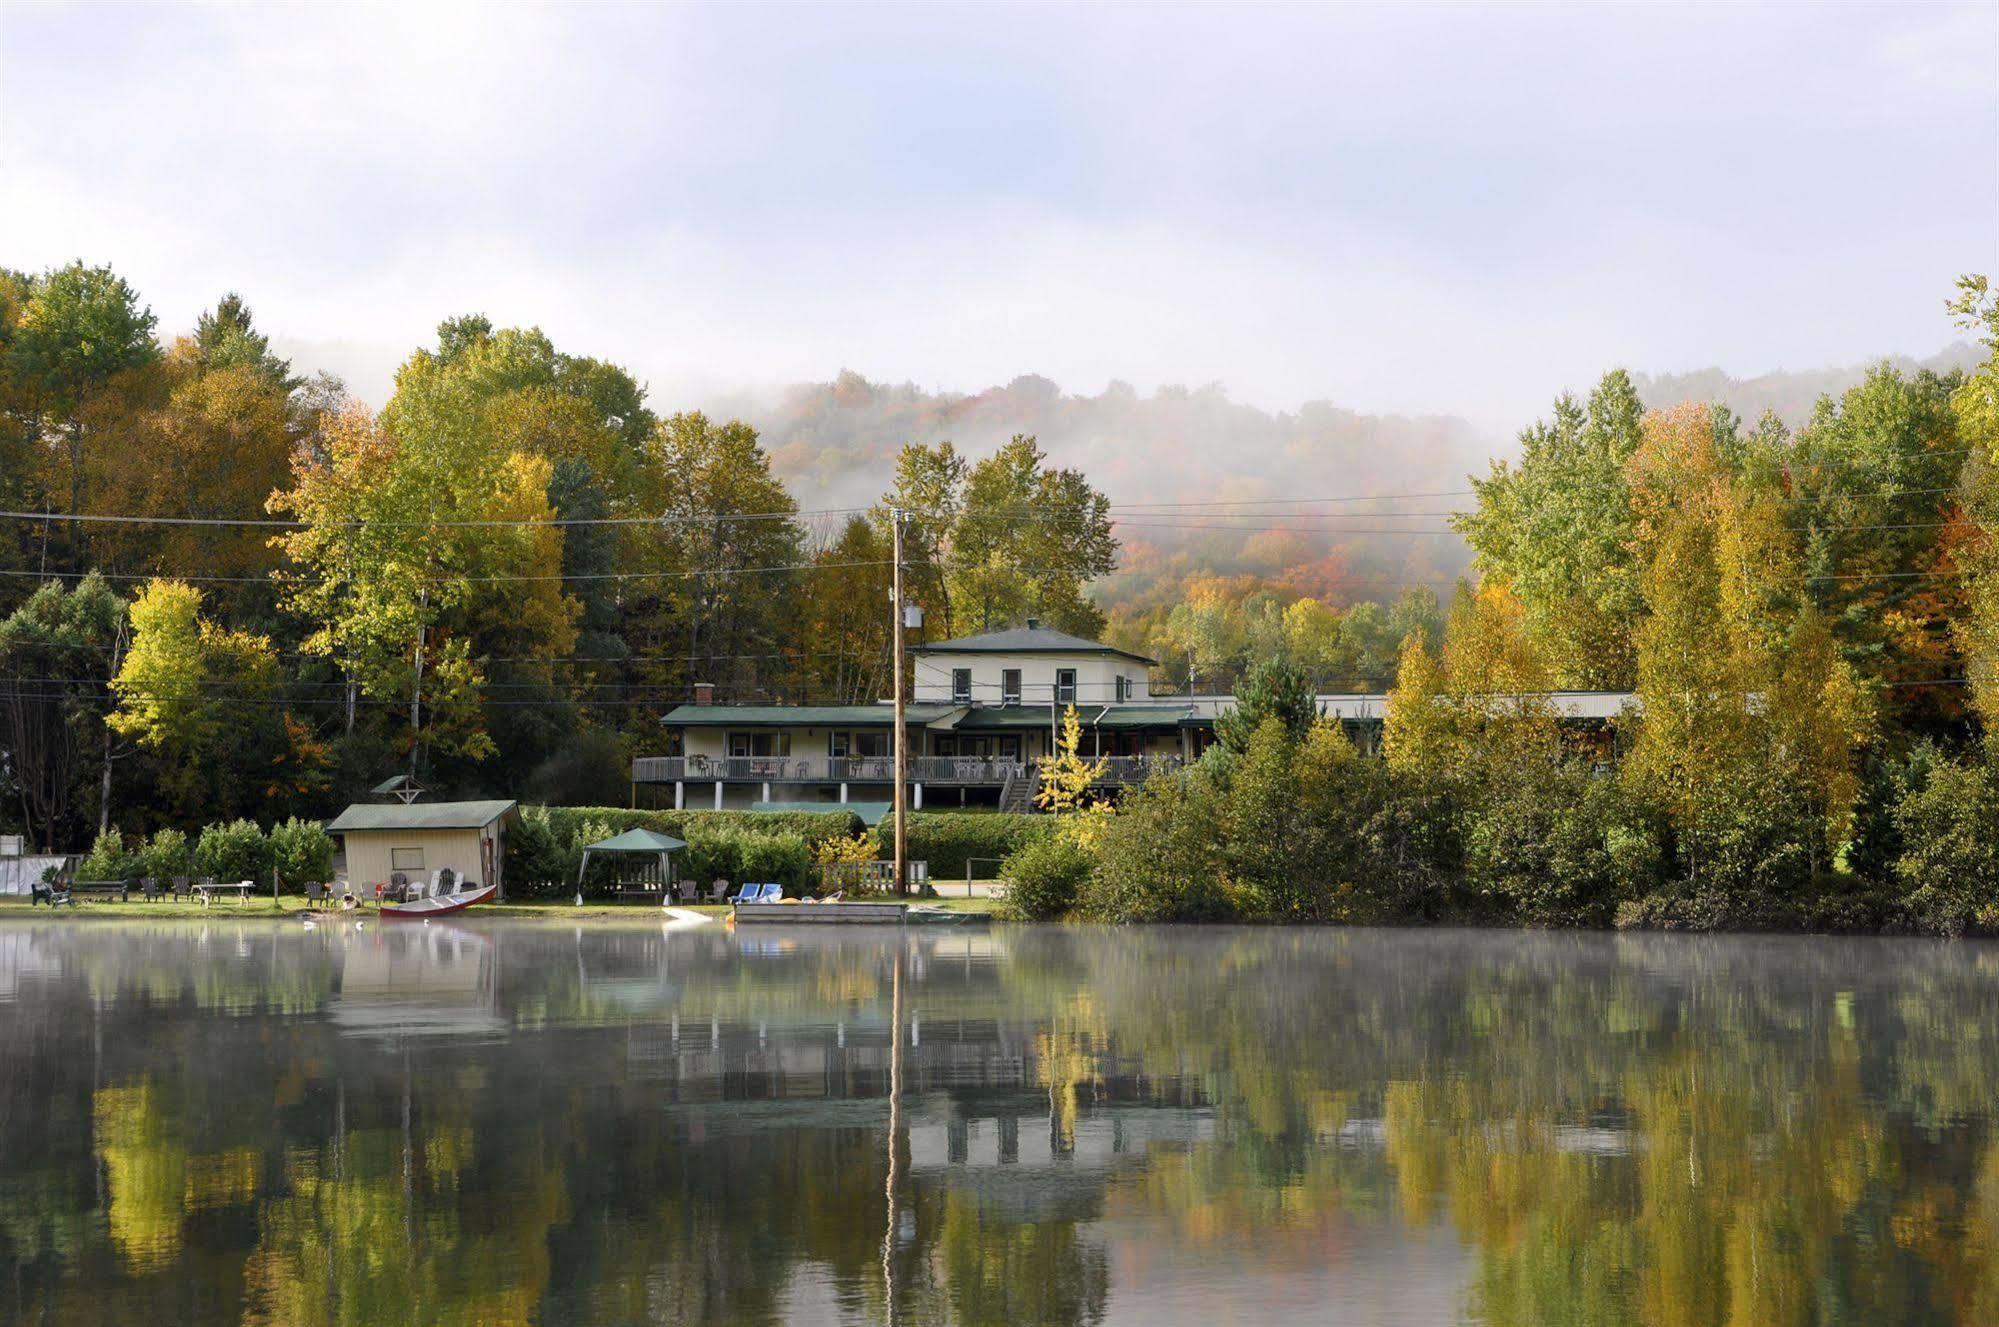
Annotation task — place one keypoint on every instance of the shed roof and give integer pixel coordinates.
(364, 816)
(1026, 640)
(638, 840)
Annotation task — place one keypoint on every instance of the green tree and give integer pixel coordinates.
(58, 652)
(1273, 690)
(1026, 542)
(1558, 527)
(227, 338)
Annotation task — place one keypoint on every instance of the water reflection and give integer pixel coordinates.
(231, 1122)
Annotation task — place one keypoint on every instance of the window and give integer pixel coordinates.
(836, 745)
(406, 859)
(1010, 686)
(872, 746)
(676, 742)
(961, 686)
(1065, 686)
(759, 744)
(1009, 749)
(1123, 688)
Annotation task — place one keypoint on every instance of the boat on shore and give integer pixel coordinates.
(439, 905)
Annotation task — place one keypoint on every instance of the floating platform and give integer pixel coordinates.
(820, 914)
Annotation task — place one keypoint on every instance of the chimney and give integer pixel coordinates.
(704, 693)
(1034, 624)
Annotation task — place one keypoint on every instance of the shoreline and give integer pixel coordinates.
(291, 908)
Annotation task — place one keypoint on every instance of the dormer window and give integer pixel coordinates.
(961, 686)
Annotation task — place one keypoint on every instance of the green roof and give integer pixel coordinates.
(1026, 640)
(637, 840)
(418, 815)
(1091, 716)
(800, 716)
(871, 813)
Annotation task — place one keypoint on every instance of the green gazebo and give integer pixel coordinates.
(653, 854)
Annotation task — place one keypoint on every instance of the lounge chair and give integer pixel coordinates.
(314, 892)
(772, 893)
(183, 888)
(56, 894)
(748, 894)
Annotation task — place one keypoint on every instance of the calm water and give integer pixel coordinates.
(242, 1123)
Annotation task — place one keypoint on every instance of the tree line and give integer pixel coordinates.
(228, 590)
(1809, 624)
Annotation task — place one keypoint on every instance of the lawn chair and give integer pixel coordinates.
(183, 888)
(747, 894)
(314, 892)
(446, 882)
(55, 893)
(772, 892)
(149, 888)
(399, 888)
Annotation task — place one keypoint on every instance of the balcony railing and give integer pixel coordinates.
(970, 771)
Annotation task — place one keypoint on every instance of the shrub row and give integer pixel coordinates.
(1310, 830)
(545, 846)
(300, 850)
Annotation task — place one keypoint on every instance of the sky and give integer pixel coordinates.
(1410, 209)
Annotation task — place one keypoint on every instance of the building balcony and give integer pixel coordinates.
(946, 771)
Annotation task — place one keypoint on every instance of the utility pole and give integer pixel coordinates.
(901, 738)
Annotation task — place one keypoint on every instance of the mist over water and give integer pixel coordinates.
(529, 1122)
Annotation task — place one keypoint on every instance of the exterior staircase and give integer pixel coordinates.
(1017, 793)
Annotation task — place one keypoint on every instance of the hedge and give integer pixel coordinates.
(545, 846)
(948, 839)
(812, 826)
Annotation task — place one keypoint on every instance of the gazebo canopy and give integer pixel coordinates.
(636, 843)
(638, 840)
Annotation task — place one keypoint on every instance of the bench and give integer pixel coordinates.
(122, 888)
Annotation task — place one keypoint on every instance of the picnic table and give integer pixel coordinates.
(209, 889)
(122, 888)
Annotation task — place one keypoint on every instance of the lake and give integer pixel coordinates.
(506, 1122)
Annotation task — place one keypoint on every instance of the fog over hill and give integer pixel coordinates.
(835, 442)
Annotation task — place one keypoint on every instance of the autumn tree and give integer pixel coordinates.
(1975, 403)
(80, 328)
(424, 546)
(727, 552)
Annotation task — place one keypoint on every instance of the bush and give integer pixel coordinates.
(947, 840)
(1949, 867)
(724, 852)
(834, 822)
(302, 852)
(539, 864)
(1159, 858)
(1563, 848)
(167, 855)
(109, 859)
(1043, 878)
(237, 850)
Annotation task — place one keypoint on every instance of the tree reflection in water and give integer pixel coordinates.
(526, 1123)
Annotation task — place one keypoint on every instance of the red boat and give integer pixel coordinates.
(439, 905)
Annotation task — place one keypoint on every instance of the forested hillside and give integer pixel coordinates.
(228, 588)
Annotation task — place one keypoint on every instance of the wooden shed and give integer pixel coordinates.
(419, 838)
